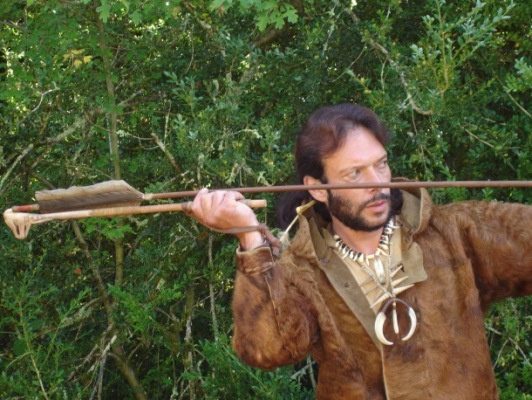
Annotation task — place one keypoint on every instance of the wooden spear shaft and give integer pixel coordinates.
(375, 185)
(21, 222)
(115, 193)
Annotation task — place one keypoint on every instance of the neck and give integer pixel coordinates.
(365, 242)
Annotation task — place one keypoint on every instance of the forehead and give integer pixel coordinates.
(360, 149)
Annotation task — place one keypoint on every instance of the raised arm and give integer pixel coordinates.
(497, 238)
(274, 323)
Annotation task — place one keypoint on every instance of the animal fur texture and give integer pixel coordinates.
(474, 253)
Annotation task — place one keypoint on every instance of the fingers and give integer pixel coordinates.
(220, 209)
(210, 203)
(207, 202)
(199, 205)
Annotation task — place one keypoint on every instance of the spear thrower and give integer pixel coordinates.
(117, 198)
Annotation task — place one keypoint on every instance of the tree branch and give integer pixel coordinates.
(166, 152)
(378, 47)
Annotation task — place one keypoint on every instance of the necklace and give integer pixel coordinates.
(377, 272)
(381, 278)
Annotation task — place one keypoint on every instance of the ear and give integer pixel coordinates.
(318, 194)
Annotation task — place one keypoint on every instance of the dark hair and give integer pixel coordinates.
(323, 134)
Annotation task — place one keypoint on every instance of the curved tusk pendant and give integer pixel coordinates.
(379, 329)
(413, 324)
(381, 319)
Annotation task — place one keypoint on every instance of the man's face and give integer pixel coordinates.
(362, 159)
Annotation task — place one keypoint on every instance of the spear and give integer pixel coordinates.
(109, 199)
(118, 198)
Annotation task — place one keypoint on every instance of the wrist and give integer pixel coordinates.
(250, 240)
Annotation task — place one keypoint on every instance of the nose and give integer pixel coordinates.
(374, 175)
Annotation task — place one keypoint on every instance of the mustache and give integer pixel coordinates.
(377, 197)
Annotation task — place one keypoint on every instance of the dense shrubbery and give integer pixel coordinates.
(183, 94)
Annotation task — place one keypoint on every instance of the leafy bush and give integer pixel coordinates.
(179, 95)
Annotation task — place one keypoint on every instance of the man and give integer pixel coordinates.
(384, 289)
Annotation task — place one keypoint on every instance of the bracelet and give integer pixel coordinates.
(274, 243)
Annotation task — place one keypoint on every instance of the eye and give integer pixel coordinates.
(354, 174)
(383, 164)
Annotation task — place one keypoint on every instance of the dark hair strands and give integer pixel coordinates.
(323, 134)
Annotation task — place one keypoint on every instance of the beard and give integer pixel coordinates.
(350, 214)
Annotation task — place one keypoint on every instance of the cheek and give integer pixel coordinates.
(387, 173)
(352, 197)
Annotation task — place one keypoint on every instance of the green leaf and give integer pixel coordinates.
(291, 15)
(36, 324)
(104, 10)
(19, 347)
(219, 3)
(262, 22)
(136, 17)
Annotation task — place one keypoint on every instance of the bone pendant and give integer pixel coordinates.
(397, 282)
(395, 271)
(381, 320)
(379, 329)
(379, 270)
(402, 289)
(413, 324)
(395, 320)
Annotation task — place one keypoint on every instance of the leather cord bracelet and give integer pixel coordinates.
(274, 243)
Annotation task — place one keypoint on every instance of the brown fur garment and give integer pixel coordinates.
(474, 253)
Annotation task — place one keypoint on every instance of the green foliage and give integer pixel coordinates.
(39, 338)
(522, 81)
(241, 381)
(509, 328)
(179, 95)
(275, 13)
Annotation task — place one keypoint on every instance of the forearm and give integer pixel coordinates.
(250, 240)
(273, 322)
(498, 241)
(273, 326)
(503, 244)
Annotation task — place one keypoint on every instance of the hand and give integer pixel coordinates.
(222, 210)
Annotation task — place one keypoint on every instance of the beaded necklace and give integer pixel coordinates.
(382, 278)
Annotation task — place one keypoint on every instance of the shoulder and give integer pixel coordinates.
(478, 222)
(487, 212)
